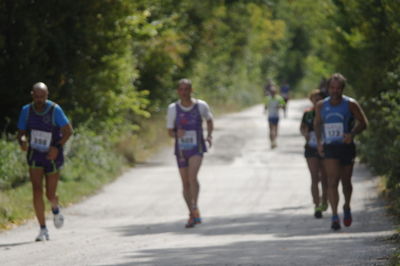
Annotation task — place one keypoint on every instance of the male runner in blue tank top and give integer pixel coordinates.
(184, 123)
(339, 118)
(43, 129)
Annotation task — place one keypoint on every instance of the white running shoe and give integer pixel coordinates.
(58, 220)
(43, 235)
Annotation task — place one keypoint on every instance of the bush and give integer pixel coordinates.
(13, 169)
(381, 143)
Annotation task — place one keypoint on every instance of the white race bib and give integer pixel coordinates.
(333, 132)
(188, 141)
(40, 140)
(312, 141)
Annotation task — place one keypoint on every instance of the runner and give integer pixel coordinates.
(314, 160)
(43, 129)
(267, 87)
(285, 95)
(340, 118)
(184, 123)
(273, 103)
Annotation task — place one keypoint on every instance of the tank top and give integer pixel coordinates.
(337, 120)
(42, 130)
(191, 122)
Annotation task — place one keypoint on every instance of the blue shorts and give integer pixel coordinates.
(273, 120)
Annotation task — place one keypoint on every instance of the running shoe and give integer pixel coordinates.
(43, 235)
(318, 212)
(196, 216)
(324, 206)
(58, 220)
(191, 222)
(347, 219)
(335, 222)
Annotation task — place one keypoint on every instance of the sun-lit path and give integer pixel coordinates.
(255, 202)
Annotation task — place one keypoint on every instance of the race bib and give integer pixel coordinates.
(188, 141)
(312, 141)
(40, 140)
(333, 132)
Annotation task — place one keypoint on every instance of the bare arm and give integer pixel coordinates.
(317, 127)
(304, 130)
(21, 138)
(66, 132)
(210, 128)
(171, 132)
(361, 122)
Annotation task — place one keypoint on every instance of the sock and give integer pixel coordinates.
(55, 210)
(43, 227)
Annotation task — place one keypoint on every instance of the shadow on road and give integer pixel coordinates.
(305, 238)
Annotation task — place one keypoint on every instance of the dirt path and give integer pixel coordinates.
(256, 205)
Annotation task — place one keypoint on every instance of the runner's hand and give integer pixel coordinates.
(53, 152)
(320, 148)
(24, 146)
(347, 138)
(180, 133)
(209, 140)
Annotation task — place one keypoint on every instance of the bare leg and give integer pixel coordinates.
(324, 181)
(194, 167)
(332, 167)
(36, 176)
(313, 166)
(185, 184)
(51, 189)
(347, 172)
(273, 133)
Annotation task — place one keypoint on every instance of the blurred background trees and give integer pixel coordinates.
(113, 64)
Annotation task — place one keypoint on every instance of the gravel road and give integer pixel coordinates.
(255, 202)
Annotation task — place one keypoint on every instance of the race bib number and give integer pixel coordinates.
(188, 141)
(333, 132)
(40, 140)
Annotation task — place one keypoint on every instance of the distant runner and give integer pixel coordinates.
(314, 160)
(273, 103)
(338, 118)
(284, 90)
(184, 123)
(43, 131)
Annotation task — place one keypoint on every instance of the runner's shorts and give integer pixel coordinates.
(183, 158)
(310, 152)
(273, 120)
(38, 160)
(345, 153)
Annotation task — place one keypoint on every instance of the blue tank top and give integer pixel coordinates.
(41, 129)
(337, 120)
(191, 122)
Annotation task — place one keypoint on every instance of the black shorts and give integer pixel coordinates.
(345, 153)
(310, 152)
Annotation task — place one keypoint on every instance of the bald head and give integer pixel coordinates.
(40, 86)
(39, 94)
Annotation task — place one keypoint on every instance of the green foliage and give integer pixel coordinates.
(384, 128)
(91, 157)
(13, 170)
